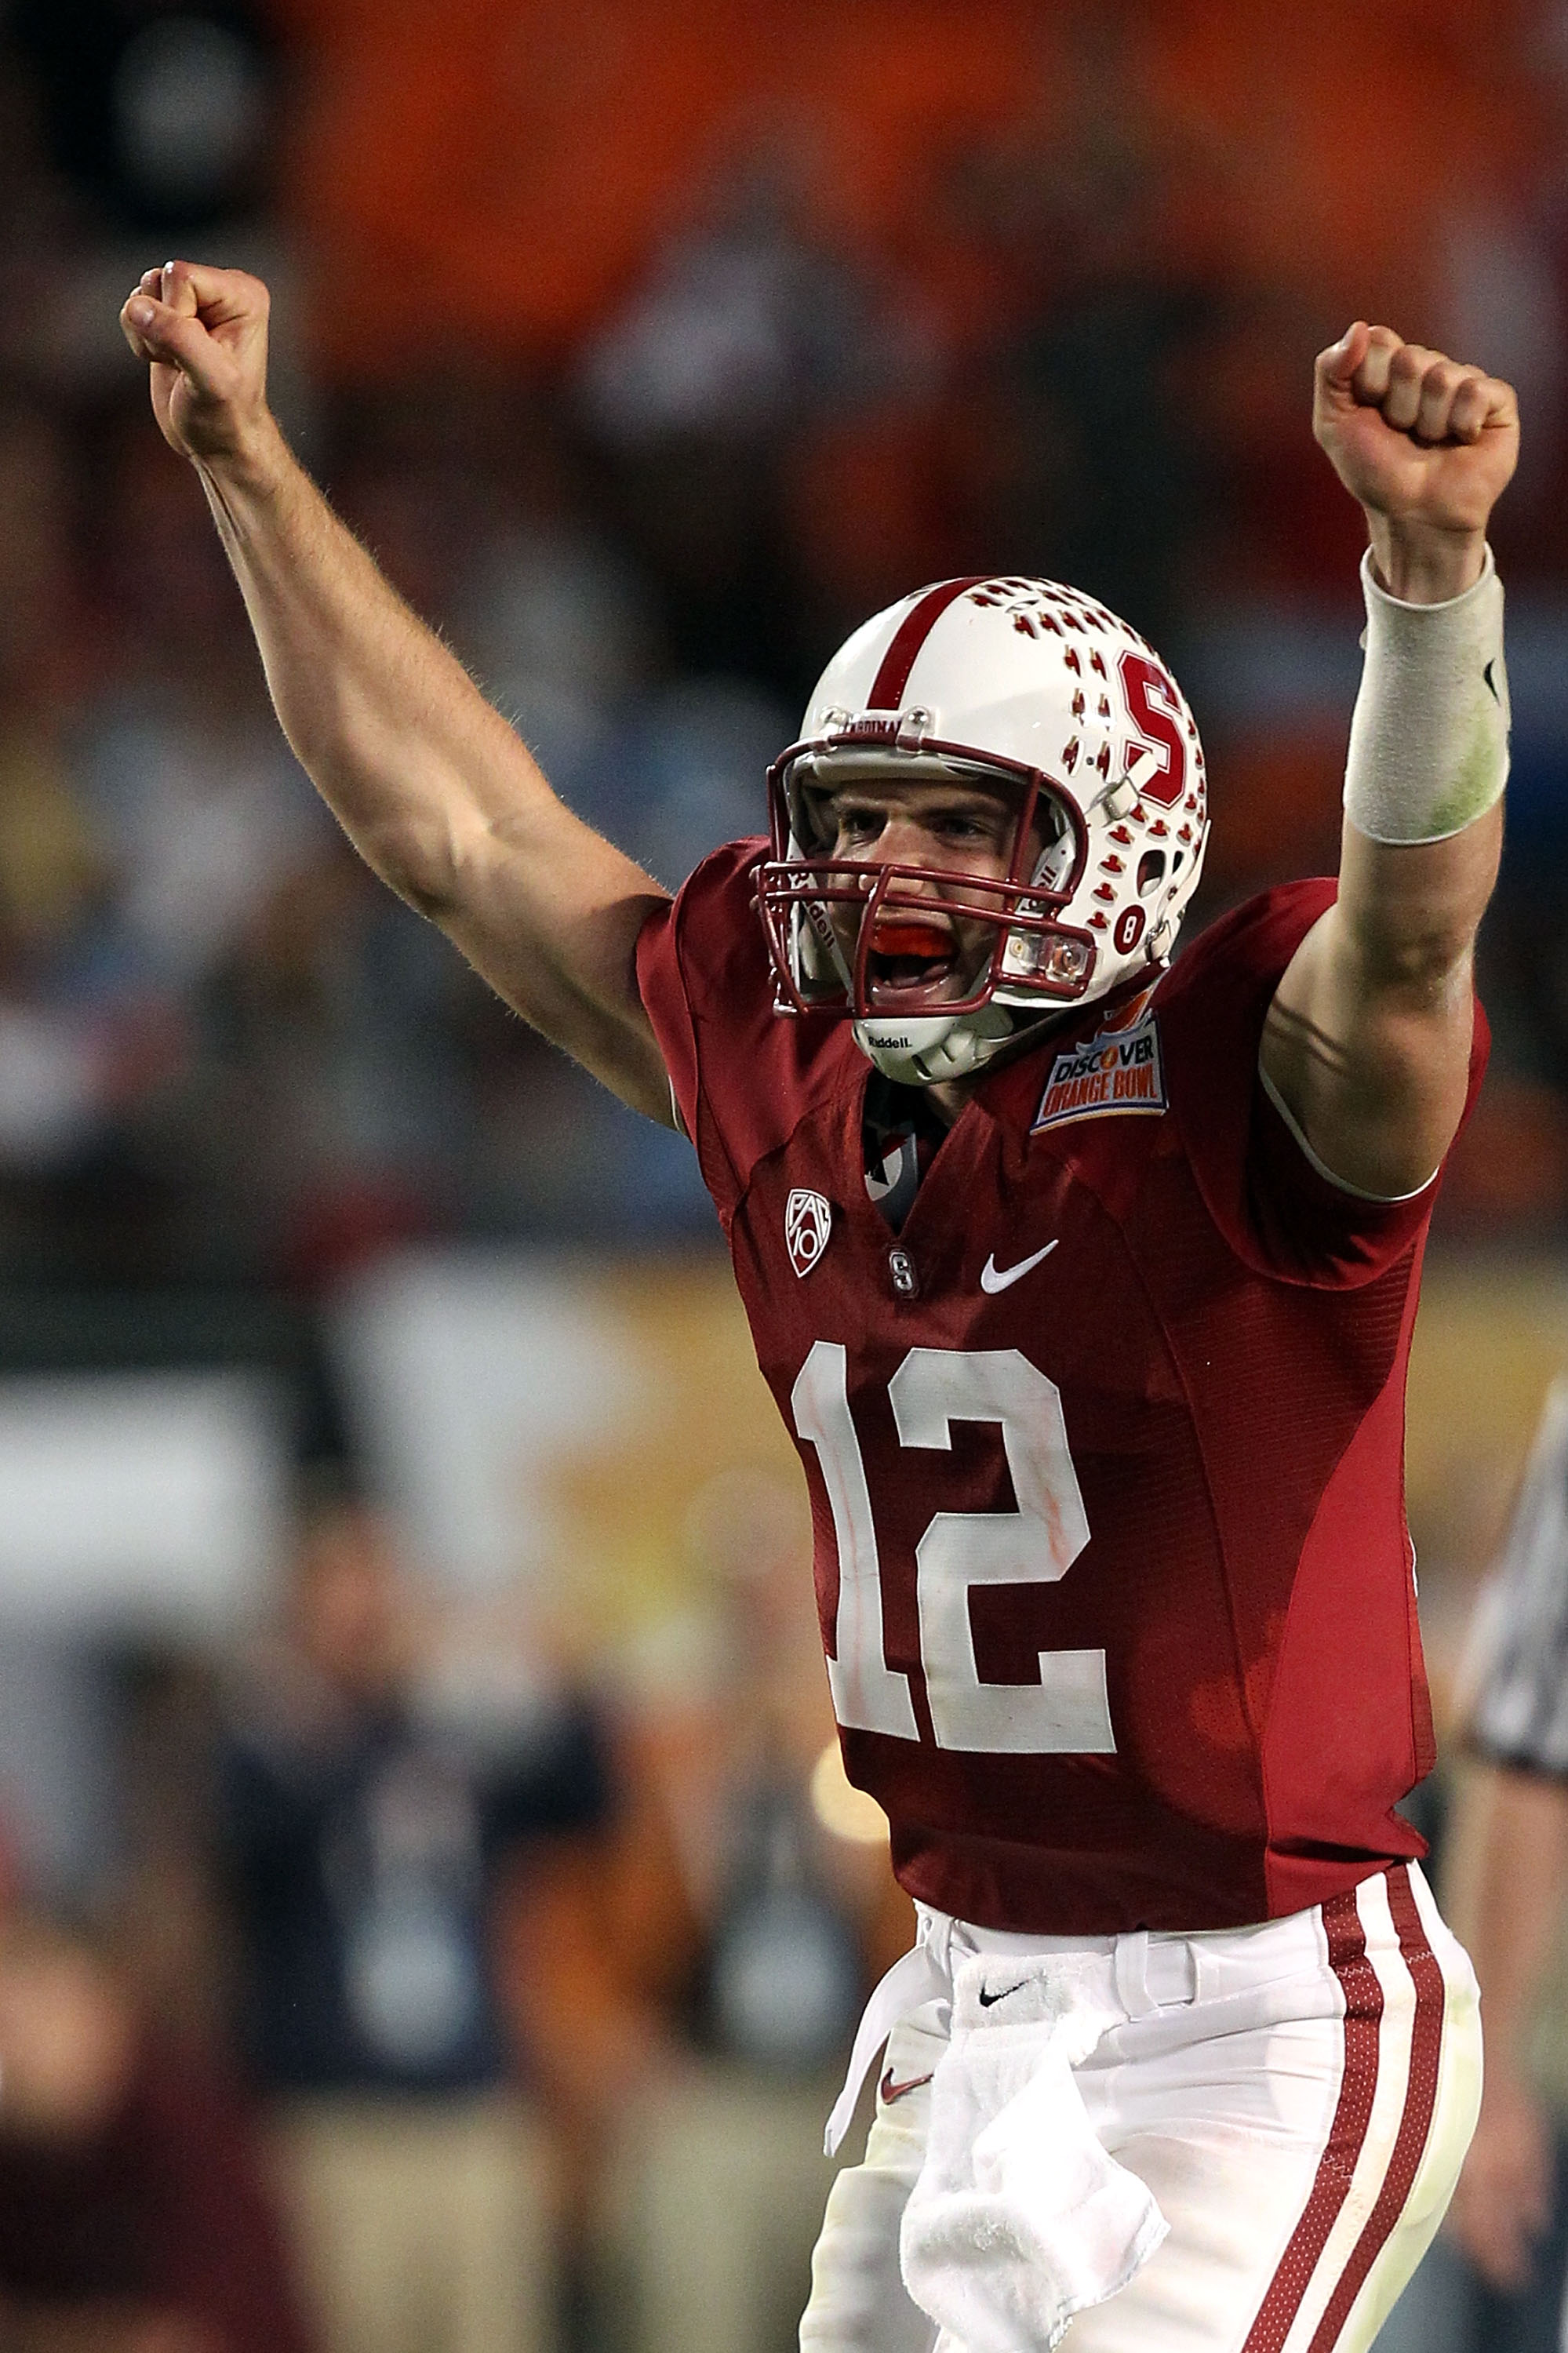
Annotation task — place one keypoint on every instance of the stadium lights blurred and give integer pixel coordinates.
(842, 1811)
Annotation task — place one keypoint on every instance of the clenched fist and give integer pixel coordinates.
(204, 333)
(1426, 446)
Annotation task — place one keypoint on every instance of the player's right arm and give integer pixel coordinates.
(432, 786)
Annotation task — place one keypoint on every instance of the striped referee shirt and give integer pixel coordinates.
(1517, 1668)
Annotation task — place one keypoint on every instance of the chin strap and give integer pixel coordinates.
(926, 1053)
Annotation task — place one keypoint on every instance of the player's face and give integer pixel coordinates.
(946, 828)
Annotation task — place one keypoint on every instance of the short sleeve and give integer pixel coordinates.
(736, 1071)
(1516, 1671)
(662, 986)
(1282, 1213)
(1311, 1228)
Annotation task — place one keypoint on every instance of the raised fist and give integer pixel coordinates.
(1416, 438)
(204, 333)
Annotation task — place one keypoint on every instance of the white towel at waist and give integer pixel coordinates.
(1020, 2217)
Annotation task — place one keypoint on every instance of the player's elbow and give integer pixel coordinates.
(417, 858)
(1420, 960)
(1408, 912)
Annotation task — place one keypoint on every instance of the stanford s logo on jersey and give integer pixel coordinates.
(807, 1222)
(1118, 1069)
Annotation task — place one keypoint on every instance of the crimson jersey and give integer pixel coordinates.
(1105, 1447)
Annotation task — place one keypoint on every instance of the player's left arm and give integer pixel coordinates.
(1368, 1041)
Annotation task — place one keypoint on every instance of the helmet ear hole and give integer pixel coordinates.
(1150, 871)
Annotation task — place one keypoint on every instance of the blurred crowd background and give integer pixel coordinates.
(429, 1911)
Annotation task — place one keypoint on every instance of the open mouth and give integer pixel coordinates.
(910, 955)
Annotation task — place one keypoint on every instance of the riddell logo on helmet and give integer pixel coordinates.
(807, 1222)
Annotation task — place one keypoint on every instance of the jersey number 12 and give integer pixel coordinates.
(1067, 1710)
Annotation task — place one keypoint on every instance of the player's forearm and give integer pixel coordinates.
(1368, 1042)
(1426, 446)
(1423, 777)
(420, 770)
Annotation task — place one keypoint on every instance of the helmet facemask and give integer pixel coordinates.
(849, 936)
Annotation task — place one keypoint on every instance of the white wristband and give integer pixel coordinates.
(1429, 735)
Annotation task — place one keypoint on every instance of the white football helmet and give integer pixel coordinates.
(1018, 684)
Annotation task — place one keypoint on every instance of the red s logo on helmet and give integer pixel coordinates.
(1155, 712)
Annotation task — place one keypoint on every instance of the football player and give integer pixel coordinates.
(1084, 1281)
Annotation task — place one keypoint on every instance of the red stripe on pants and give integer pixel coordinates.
(1420, 2099)
(1352, 2114)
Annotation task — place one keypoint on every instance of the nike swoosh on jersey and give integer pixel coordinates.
(997, 1278)
(888, 2091)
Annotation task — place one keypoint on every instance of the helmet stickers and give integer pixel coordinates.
(1017, 697)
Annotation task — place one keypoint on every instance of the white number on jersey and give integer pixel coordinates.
(1068, 1709)
(868, 1695)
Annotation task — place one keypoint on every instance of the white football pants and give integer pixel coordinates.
(1298, 2096)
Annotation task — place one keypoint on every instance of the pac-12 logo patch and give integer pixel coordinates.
(1119, 1069)
(807, 1222)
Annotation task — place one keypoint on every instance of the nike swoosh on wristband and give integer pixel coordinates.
(997, 1278)
(888, 2091)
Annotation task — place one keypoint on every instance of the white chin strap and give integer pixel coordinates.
(922, 1053)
